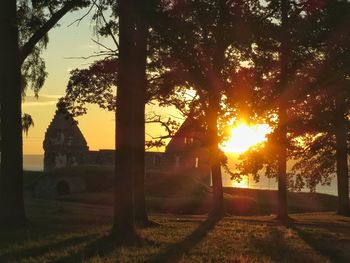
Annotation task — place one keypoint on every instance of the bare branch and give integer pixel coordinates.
(77, 21)
(102, 45)
(100, 54)
(105, 21)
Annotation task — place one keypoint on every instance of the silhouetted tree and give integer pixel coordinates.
(206, 41)
(326, 109)
(337, 52)
(100, 79)
(139, 97)
(285, 50)
(123, 221)
(25, 26)
(27, 122)
(11, 192)
(285, 63)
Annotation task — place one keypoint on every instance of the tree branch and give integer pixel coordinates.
(105, 54)
(104, 46)
(81, 18)
(108, 28)
(38, 35)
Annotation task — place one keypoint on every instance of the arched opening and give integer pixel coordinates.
(62, 188)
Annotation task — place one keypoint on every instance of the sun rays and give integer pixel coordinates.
(244, 136)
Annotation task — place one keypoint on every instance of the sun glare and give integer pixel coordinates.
(244, 183)
(244, 136)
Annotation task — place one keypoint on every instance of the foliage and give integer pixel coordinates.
(98, 83)
(203, 44)
(320, 112)
(35, 19)
(27, 122)
(305, 95)
(95, 85)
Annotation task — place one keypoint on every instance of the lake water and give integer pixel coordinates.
(271, 184)
(35, 163)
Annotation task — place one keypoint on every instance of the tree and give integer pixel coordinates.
(337, 54)
(205, 45)
(11, 193)
(27, 122)
(96, 84)
(285, 64)
(25, 26)
(327, 107)
(123, 222)
(282, 210)
(139, 97)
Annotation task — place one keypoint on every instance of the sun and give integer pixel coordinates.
(244, 136)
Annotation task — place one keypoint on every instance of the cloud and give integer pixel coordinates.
(42, 100)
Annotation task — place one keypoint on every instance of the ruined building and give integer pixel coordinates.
(64, 144)
(185, 154)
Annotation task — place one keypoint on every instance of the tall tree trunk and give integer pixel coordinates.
(11, 177)
(139, 100)
(212, 120)
(214, 97)
(282, 211)
(341, 155)
(282, 208)
(123, 224)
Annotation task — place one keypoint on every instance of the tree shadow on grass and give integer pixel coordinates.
(42, 249)
(174, 252)
(102, 246)
(323, 244)
(318, 238)
(274, 245)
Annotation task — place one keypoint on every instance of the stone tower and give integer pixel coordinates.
(64, 143)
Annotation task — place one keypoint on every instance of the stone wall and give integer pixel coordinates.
(51, 187)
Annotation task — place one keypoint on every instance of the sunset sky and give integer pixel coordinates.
(66, 47)
(66, 42)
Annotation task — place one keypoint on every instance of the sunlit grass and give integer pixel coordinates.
(64, 232)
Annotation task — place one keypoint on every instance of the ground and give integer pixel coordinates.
(72, 232)
(182, 194)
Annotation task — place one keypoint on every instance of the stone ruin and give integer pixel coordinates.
(65, 146)
(64, 143)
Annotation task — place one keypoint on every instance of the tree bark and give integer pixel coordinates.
(139, 100)
(212, 120)
(341, 155)
(282, 210)
(11, 177)
(123, 223)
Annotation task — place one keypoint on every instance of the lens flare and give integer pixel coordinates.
(244, 136)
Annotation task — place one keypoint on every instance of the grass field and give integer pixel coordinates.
(73, 232)
(237, 202)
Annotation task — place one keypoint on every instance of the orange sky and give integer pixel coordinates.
(98, 125)
(65, 42)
